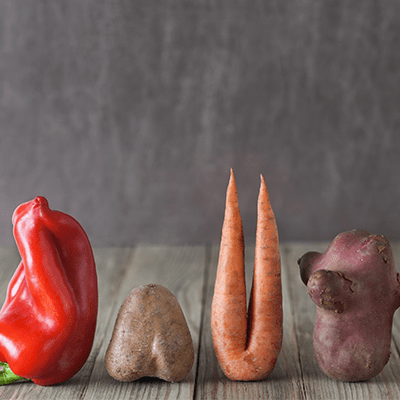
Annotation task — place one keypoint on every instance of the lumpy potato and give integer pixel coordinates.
(151, 337)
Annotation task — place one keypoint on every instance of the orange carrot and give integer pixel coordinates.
(247, 347)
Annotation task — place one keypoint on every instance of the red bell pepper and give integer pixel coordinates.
(48, 320)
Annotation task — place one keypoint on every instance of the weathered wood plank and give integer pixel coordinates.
(284, 381)
(182, 270)
(391, 373)
(109, 264)
(179, 269)
(296, 374)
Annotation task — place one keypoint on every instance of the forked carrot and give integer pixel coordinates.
(247, 347)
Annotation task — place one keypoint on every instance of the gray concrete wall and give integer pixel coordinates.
(129, 114)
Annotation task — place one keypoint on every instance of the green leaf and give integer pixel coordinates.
(7, 376)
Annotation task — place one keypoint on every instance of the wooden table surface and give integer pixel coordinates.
(189, 272)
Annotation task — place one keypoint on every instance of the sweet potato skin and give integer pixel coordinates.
(356, 288)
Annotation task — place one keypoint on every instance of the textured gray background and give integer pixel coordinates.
(128, 114)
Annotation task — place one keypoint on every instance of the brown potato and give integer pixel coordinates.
(151, 337)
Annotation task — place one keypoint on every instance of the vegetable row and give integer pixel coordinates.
(49, 317)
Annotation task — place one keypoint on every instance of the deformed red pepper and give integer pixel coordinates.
(48, 321)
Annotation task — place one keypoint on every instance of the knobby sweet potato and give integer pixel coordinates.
(356, 288)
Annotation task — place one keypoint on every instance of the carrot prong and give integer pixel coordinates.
(265, 310)
(228, 316)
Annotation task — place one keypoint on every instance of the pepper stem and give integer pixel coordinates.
(7, 376)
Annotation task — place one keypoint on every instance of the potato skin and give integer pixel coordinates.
(151, 337)
(355, 286)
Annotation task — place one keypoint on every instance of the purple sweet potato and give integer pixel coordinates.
(356, 288)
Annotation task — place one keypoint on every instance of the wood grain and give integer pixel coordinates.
(181, 271)
(189, 272)
(212, 383)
